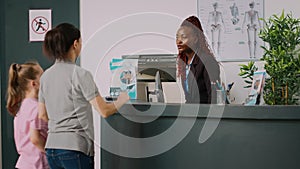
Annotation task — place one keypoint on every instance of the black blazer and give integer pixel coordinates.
(203, 74)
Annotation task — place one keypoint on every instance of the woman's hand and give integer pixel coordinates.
(122, 98)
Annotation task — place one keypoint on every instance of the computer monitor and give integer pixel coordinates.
(157, 92)
(149, 64)
(158, 88)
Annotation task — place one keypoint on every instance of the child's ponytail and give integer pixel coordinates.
(14, 94)
(18, 77)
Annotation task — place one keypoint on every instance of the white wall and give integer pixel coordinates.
(101, 42)
(110, 31)
(276, 6)
(113, 28)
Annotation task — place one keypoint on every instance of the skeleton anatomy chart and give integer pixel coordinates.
(232, 27)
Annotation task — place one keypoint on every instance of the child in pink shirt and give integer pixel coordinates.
(30, 132)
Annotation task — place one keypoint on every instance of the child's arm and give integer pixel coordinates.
(107, 109)
(42, 112)
(37, 139)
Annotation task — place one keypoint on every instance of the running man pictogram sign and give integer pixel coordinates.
(39, 24)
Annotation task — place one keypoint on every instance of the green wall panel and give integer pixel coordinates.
(15, 47)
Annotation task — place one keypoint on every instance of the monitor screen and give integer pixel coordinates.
(149, 64)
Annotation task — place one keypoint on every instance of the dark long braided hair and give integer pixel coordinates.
(202, 47)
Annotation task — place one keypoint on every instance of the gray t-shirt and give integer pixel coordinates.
(66, 90)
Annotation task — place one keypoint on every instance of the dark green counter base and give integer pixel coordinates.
(264, 138)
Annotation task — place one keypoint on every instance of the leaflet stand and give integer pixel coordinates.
(256, 88)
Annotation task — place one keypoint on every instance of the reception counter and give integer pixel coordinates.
(191, 136)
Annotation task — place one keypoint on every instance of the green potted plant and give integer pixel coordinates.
(282, 59)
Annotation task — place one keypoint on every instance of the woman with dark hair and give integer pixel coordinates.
(197, 67)
(67, 94)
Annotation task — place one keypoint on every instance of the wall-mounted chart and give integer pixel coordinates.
(232, 28)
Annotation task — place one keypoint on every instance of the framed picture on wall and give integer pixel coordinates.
(232, 27)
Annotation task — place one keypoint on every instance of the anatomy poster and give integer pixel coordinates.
(232, 28)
